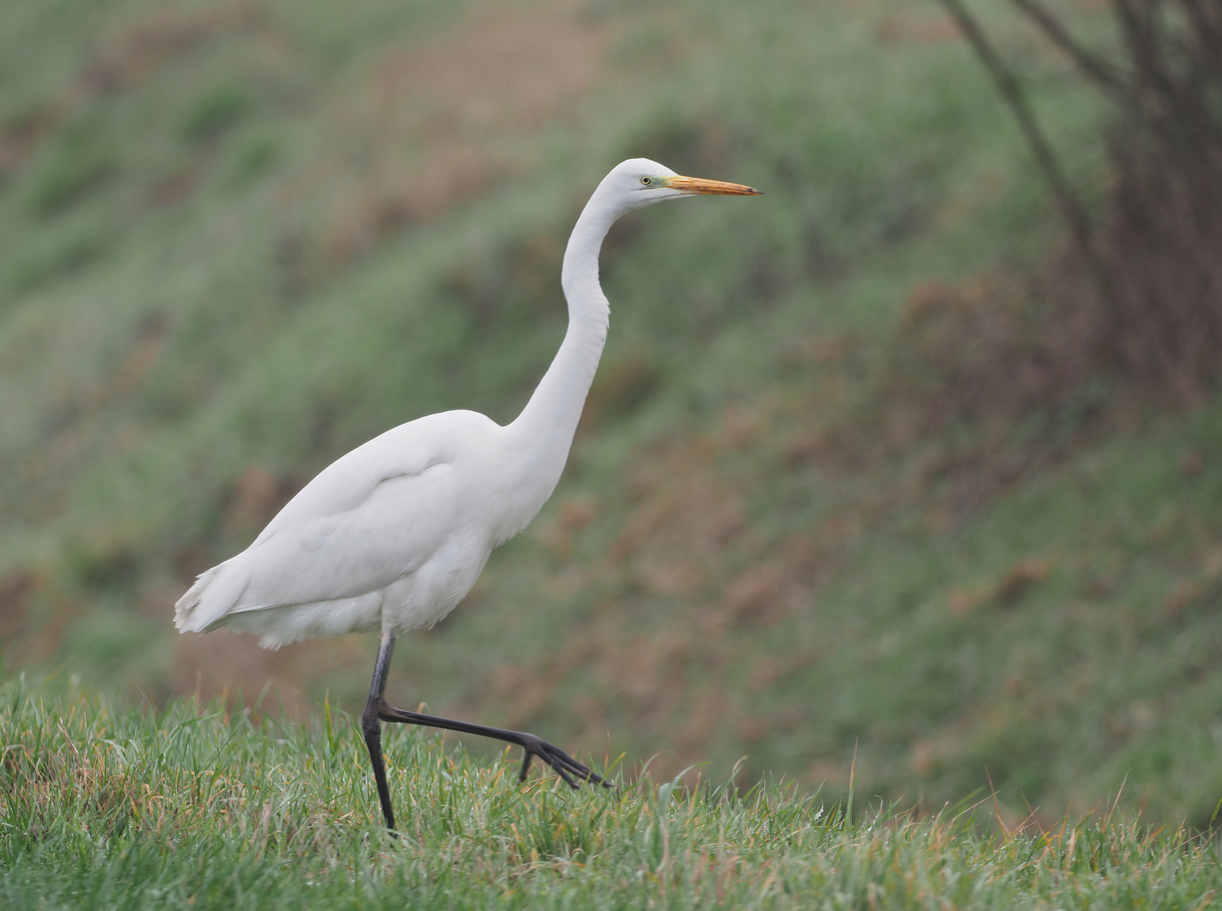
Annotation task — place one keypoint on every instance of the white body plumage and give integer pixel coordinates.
(395, 533)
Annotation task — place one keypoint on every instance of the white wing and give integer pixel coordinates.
(370, 518)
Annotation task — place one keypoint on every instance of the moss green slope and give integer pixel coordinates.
(239, 239)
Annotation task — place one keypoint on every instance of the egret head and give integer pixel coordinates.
(640, 182)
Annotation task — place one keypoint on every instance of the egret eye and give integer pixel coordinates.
(646, 181)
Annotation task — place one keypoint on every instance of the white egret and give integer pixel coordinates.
(394, 534)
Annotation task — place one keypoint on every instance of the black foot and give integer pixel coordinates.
(564, 764)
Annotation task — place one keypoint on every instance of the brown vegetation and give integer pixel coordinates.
(134, 54)
(436, 125)
(120, 62)
(1145, 302)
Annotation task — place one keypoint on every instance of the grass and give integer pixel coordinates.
(238, 239)
(188, 806)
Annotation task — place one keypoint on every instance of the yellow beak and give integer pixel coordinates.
(710, 187)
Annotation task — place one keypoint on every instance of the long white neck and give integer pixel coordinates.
(549, 420)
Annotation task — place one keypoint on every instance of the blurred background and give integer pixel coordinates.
(891, 472)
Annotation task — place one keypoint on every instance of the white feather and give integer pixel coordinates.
(396, 532)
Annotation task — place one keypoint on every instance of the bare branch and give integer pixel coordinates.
(1206, 19)
(1102, 72)
(1011, 91)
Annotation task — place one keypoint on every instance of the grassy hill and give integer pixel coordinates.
(118, 807)
(240, 238)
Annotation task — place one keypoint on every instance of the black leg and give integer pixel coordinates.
(564, 764)
(377, 710)
(372, 728)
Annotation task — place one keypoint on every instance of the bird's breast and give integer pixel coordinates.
(423, 597)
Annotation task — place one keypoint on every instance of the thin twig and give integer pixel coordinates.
(1011, 91)
(1096, 68)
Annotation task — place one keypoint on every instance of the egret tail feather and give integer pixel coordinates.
(210, 599)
